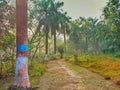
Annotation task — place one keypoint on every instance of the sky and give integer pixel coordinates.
(84, 8)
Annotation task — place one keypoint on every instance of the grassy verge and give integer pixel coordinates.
(105, 65)
(93, 81)
(36, 70)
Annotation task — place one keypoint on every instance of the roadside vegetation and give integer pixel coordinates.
(107, 65)
(36, 70)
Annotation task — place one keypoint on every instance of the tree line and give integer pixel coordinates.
(98, 35)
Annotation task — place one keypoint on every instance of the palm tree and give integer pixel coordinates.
(94, 34)
(75, 35)
(84, 23)
(49, 12)
(21, 72)
(56, 13)
(65, 27)
(45, 18)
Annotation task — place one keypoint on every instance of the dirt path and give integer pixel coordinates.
(60, 77)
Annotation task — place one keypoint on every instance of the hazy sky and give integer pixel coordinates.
(85, 8)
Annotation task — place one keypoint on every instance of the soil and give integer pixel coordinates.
(62, 76)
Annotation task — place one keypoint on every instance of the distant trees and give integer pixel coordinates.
(95, 35)
(64, 27)
(111, 14)
(75, 35)
(49, 16)
(85, 35)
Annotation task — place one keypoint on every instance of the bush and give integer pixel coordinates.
(61, 50)
(117, 55)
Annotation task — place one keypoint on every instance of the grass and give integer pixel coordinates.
(93, 81)
(105, 65)
(36, 70)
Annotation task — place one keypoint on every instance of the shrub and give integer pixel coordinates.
(61, 50)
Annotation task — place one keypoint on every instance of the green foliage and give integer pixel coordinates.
(117, 54)
(36, 70)
(61, 49)
(112, 14)
(97, 35)
(2, 2)
(7, 36)
(105, 65)
(49, 14)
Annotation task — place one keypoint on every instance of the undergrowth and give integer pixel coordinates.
(105, 65)
(36, 70)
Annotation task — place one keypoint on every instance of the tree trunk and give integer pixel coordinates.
(21, 72)
(46, 47)
(61, 55)
(1, 66)
(55, 44)
(86, 44)
(65, 38)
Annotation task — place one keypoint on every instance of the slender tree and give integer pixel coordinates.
(21, 72)
(65, 31)
(56, 19)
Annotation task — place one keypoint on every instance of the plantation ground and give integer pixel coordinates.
(105, 65)
(61, 75)
(64, 76)
(36, 70)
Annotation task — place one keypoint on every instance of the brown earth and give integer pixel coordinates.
(63, 76)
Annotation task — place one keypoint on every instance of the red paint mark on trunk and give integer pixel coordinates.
(23, 54)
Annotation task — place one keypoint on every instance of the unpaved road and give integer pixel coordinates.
(59, 77)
